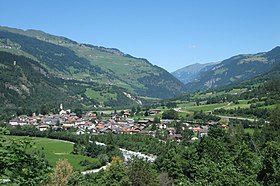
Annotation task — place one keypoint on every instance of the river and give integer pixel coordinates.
(127, 154)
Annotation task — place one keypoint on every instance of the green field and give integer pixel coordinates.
(191, 107)
(55, 150)
(242, 104)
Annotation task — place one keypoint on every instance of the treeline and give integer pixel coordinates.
(138, 172)
(245, 112)
(200, 115)
(136, 142)
(28, 130)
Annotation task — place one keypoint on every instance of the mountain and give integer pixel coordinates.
(105, 76)
(236, 69)
(26, 85)
(273, 74)
(192, 72)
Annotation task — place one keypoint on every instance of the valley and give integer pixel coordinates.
(62, 101)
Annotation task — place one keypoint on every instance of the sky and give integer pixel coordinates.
(169, 33)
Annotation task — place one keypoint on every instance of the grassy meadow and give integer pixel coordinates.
(55, 150)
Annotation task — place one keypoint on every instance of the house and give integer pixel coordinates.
(171, 130)
(122, 122)
(42, 127)
(176, 137)
(105, 130)
(130, 120)
(67, 126)
(153, 112)
(151, 120)
(14, 122)
(161, 126)
(99, 127)
(167, 121)
(195, 129)
(202, 133)
(142, 121)
(126, 114)
(135, 129)
(79, 122)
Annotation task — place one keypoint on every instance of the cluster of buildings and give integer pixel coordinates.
(89, 123)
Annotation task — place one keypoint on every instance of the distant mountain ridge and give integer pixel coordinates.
(113, 73)
(235, 69)
(192, 72)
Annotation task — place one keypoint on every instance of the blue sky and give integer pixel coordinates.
(169, 33)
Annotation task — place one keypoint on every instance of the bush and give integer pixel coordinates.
(95, 163)
(85, 162)
(103, 159)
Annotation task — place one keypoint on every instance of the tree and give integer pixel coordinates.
(270, 173)
(75, 149)
(133, 110)
(115, 174)
(270, 131)
(141, 173)
(63, 173)
(178, 127)
(171, 163)
(154, 127)
(164, 179)
(186, 136)
(156, 120)
(170, 114)
(103, 158)
(44, 109)
(77, 179)
(19, 165)
(138, 109)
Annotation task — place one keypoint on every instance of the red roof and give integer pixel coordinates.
(100, 127)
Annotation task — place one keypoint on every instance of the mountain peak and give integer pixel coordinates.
(192, 72)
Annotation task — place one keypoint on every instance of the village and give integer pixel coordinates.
(90, 123)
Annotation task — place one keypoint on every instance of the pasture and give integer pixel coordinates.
(55, 150)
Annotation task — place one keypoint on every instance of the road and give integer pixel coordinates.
(239, 118)
(95, 170)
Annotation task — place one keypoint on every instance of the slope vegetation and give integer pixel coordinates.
(68, 59)
(237, 69)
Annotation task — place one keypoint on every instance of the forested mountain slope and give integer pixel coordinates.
(236, 69)
(68, 59)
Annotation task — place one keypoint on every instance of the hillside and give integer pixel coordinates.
(26, 85)
(192, 72)
(236, 69)
(67, 59)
